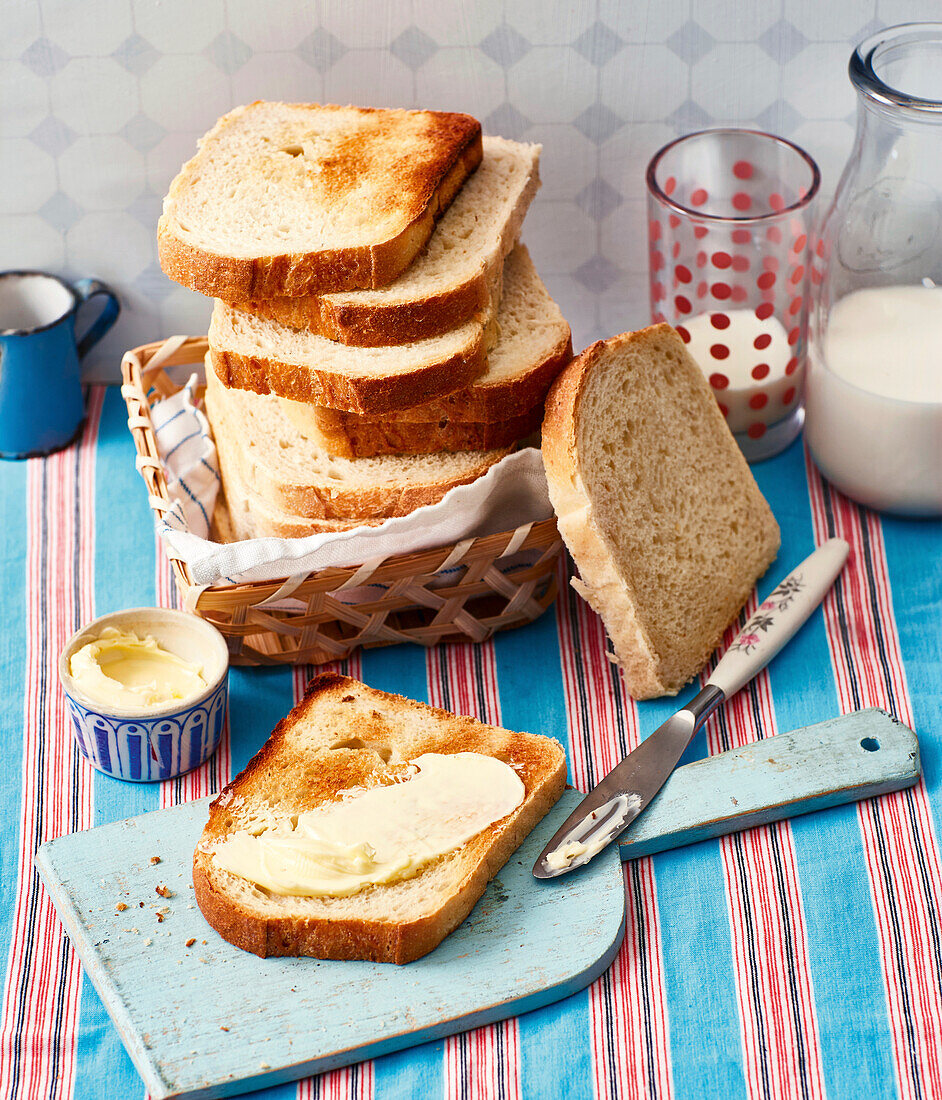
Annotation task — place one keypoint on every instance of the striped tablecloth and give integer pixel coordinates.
(798, 960)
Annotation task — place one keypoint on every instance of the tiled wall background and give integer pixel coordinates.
(101, 101)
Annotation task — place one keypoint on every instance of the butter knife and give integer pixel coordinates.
(630, 786)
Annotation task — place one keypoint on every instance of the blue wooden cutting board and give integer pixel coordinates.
(210, 1020)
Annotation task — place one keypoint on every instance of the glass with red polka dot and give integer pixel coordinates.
(730, 230)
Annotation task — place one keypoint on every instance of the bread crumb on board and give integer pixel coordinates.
(191, 941)
(155, 859)
(164, 891)
(120, 907)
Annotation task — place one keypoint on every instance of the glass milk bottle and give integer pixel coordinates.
(874, 385)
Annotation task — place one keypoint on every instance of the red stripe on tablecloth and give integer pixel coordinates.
(349, 1083)
(778, 1019)
(628, 1005)
(43, 978)
(352, 1082)
(482, 1064)
(899, 840)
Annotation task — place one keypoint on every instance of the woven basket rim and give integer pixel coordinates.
(143, 378)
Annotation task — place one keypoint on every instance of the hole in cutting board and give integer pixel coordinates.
(871, 744)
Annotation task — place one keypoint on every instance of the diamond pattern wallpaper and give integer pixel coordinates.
(100, 103)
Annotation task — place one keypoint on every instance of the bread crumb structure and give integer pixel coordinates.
(326, 747)
(656, 504)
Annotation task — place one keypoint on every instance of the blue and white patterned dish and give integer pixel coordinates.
(146, 746)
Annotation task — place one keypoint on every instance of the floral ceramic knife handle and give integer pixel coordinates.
(779, 615)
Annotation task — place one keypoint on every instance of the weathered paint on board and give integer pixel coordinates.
(211, 1020)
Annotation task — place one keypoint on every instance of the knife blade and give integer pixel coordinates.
(624, 793)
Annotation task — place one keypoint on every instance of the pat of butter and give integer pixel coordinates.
(383, 835)
(565, 854)
(123, 670)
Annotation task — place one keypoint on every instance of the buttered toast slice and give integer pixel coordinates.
(344, 738)
(656, 504)
(298, 198)
(454, 277)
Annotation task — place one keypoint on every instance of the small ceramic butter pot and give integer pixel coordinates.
(145, 745)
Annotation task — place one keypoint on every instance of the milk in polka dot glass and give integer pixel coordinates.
(730, 232)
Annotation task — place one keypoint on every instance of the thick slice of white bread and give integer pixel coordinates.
(456, 275)
(298, 198)
(293, 474)
(656, 504)
(345, 735)
(253, 353)
(533, 346)
(253, 517)
(365, 437)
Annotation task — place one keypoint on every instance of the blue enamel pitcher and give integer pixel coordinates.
(41, 404)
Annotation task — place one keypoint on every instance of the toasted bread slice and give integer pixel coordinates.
(297, 198)
(252, 517)
(345, 735)
(533, 346)
(253, 353)
(457, 275)
(294, 475)
(656, 504)
(351, 436)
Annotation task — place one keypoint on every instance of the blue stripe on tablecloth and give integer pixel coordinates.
(843, 943)
(13, 650)
(696, 950)
(555, 1050)
(124, 577)
(914, 558)
(258, 700)
(418, 1071)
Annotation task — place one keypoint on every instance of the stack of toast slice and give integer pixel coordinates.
(379, 335)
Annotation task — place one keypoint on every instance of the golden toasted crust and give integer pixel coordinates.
(458, 277)
(421, 188)
(496, 403)
(539, 761)
(359, 393)
(362, 437)
(371, 327)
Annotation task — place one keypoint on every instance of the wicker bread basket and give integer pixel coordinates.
(451, 593)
